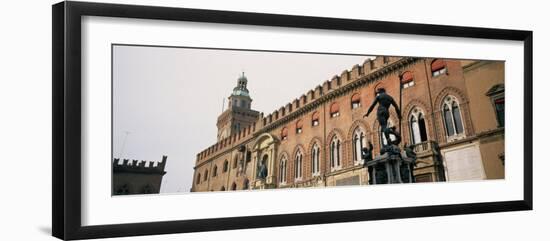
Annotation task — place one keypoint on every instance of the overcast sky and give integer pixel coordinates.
(168, 99)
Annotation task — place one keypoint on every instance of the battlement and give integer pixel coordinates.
(337, 81)
(356, 73)
(139, 166)
(230, 141)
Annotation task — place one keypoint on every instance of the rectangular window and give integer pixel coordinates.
(335, 114)
(499, 108)
(408, 84)
(439, 72)
(355, 105)
(315, 123)
(298, 130)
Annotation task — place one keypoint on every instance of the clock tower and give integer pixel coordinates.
(238, 113)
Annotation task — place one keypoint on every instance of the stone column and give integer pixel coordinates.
(254, 166)
(271, 166)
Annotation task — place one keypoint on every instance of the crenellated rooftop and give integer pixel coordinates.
(228, 143)
(370, 70)
(139, 166)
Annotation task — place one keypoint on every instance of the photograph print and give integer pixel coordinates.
(191, 119)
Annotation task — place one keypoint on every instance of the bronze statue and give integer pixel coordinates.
(383, 112)
(262, 170)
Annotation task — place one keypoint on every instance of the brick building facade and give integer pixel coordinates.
(453, 112)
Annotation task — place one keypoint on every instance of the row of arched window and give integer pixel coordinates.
(438, 67)
(452, 120)
(215, 171)
(246, 184)
(335, 155)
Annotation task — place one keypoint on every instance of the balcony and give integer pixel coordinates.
(426, 148)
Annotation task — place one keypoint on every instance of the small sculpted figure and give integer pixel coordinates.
(366, 153)
(262, 170)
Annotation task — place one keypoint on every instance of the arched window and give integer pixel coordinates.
(355, 101)
(358, 142)
(315, 119)
(438, 67)
(214, 171)
(299, 126)
(334, 110)
(246, 184)
(335, 162)
(452, 118)
(284, 133)
(298, 165)
(382, 136)
(235, 162)
(222, 189)
(234, 186)
(198, 178)
(315, 153)
(417, 127)
(225, 166)
(282, 170)
(407, 79)
(205, 175)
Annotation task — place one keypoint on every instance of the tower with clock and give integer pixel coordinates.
(238, 114)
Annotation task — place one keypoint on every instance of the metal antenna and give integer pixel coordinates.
(126, 133)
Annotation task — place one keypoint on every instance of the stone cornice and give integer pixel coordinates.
(476, 137)
(332, 94)
(475, 64)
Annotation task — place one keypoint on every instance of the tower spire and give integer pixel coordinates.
(240, 89)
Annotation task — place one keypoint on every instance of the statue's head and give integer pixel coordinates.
(380, 90)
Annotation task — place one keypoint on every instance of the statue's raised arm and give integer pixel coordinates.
(371, 106)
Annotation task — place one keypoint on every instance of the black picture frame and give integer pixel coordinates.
(66, 75)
